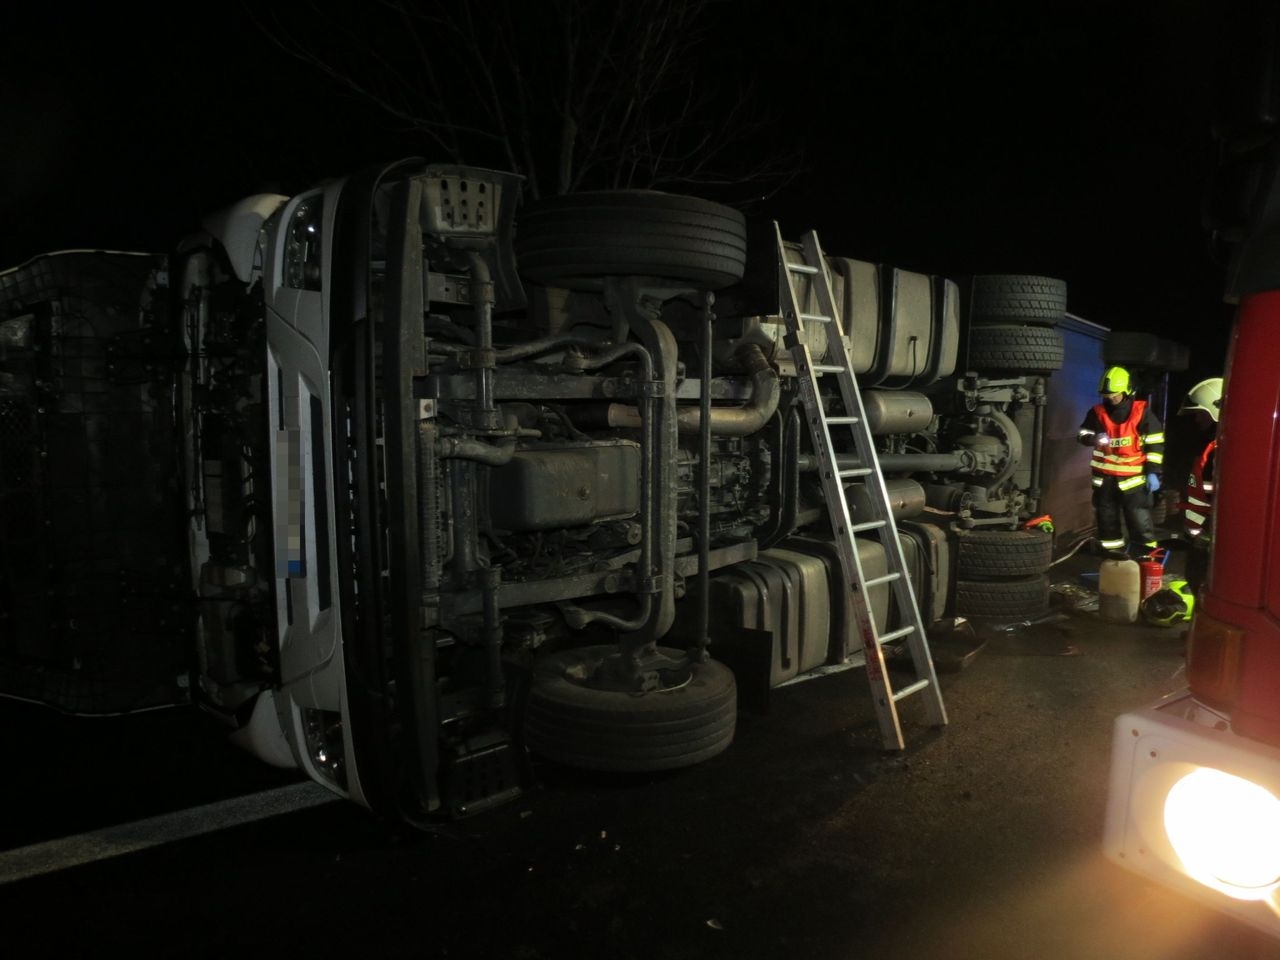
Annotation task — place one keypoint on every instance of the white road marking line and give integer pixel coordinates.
(66, 852)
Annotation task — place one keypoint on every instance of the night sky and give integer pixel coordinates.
(1072, 141)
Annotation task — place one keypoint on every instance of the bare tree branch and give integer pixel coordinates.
(571, 94)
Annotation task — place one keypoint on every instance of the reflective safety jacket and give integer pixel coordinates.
(1197, 507)
(1134, 445)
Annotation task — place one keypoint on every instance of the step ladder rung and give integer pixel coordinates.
(827, 368)
(898, 634)
(842, 421)
(887, 578)
(801, 268)
(910, 688)
(855, 472)
(868, 525)
(815, 317)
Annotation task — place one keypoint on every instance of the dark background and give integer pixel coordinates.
(1071, 141)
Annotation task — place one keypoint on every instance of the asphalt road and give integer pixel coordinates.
(802, 840)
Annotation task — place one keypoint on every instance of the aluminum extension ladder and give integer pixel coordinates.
(824, 427)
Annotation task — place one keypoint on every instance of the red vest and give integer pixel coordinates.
(1197, 506)
(1123, 455)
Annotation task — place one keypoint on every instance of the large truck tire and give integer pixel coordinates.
(575, 240)
(1011, 349)
(570, 722)
(1018, 599)
(1003, 553)
(1018, 298)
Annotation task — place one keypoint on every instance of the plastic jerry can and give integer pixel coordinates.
(1119, 590)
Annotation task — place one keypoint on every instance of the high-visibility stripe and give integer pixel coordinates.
(1155, 456)
(1112, 544)
(1207, 486)
(1101, 453)
(1197, 502)
(1131, 483)
(1098, 481)
(1153, 438)
(1194, 531)
(1085, 433)
(1196, 517)
(1115, 469)
(1118, 461)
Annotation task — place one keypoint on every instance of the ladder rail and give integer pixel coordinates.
(853, 418)
(904, 593)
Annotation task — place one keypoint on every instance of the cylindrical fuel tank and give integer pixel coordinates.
(896, 411)
(906, 498)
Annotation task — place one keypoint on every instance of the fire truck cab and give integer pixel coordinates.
(1194, 799)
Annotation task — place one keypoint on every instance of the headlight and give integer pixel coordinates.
(1226, 832)
(1196, 808)
(322, 730)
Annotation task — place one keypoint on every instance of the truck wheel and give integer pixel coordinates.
(1013, 349)
(1021, 599)
(583, 726)
(1003, 553)
(1017, 298)
(575, 240)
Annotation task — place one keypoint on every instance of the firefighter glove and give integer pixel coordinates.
(1153, 481)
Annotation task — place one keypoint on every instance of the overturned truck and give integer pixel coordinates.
(409, 480)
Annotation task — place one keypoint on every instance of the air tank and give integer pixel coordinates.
(896, 411)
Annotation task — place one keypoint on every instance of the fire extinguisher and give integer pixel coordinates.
(1152, 571)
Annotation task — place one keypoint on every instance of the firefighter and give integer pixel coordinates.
(1204, 402)
(1128, 456)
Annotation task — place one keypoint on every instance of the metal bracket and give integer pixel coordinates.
(479, 358)
(646, 584)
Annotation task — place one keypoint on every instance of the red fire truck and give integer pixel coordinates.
(1195, 779)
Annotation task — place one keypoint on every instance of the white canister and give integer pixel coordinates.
(1119, 590)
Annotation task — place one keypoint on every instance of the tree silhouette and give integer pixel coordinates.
(571, 94)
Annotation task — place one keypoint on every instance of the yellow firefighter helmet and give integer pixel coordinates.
(1205, 395)
(1114, 380)
(1169, 605)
